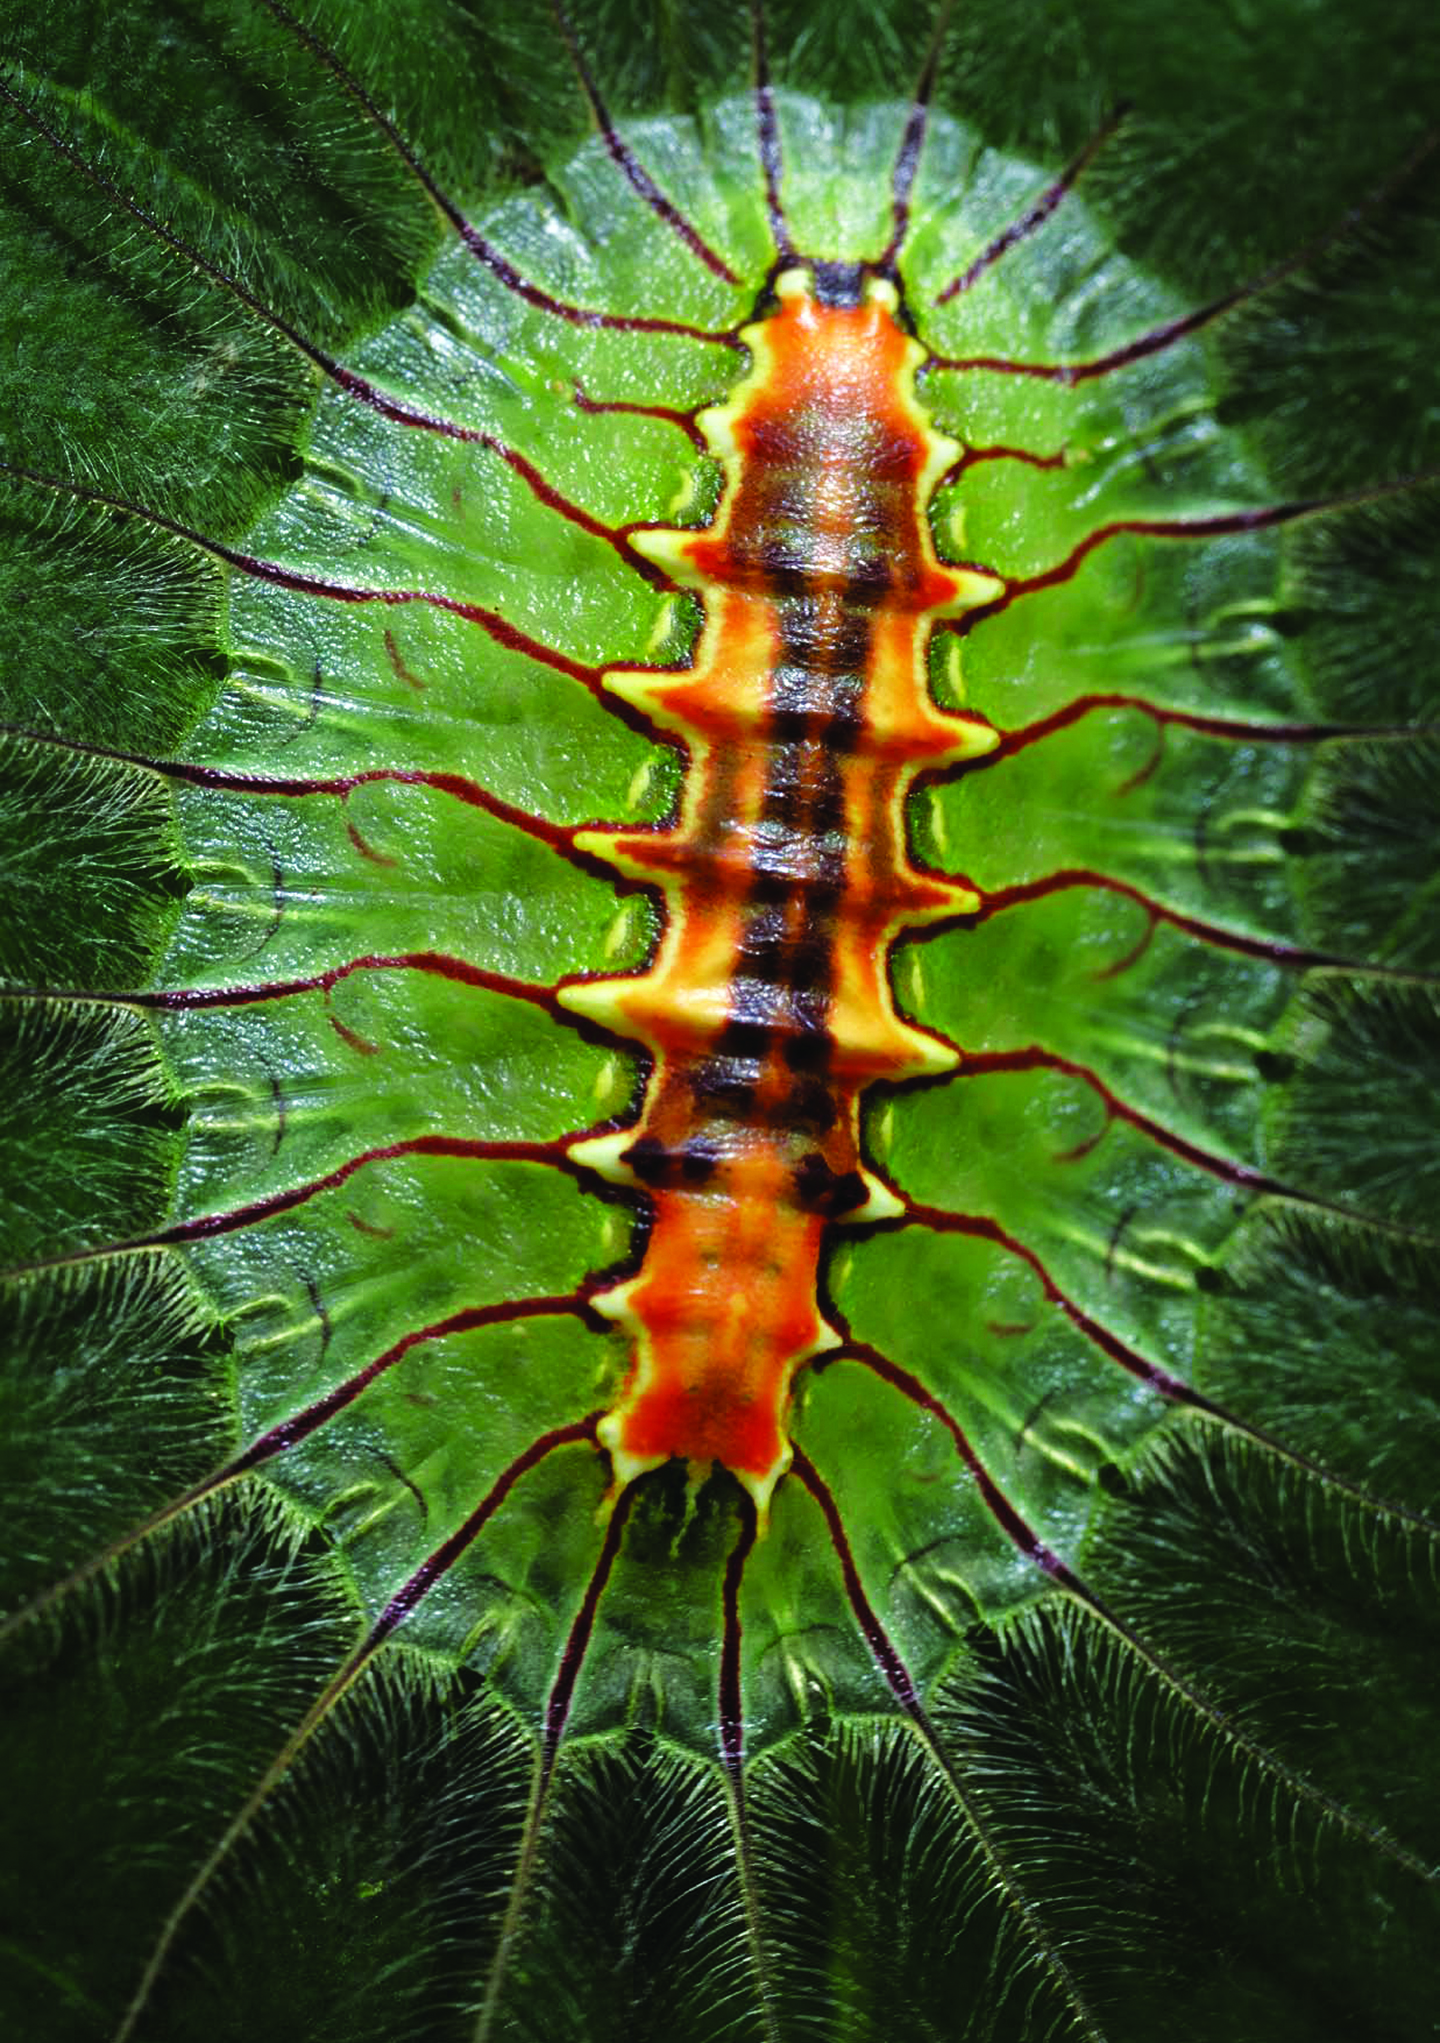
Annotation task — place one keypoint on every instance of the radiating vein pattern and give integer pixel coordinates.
(735, 983)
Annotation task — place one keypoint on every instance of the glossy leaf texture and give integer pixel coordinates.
(1081, 1682)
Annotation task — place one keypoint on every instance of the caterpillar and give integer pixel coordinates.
(751, 1090)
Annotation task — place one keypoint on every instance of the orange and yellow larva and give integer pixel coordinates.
(806, 715)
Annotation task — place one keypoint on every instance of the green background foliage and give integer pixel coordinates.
(1199, 1820)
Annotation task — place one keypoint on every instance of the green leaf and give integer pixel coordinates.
(1141, 1743)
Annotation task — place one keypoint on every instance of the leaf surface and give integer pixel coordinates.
(277, 1156)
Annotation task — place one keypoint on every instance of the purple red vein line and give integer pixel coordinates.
(449, 1550)
(767, 137)
(670, 414)
(557, 1711)
(558, 836)
(902, 1687)
(1169, 331)
(469, 1148)
(980, 1227)
(1029, 1543)
(887, 1658)
(562, 1693)
(731, 1717)
(238, 780)
(256, 992)
(484, 251)
(996, 1502)
(986, 1063)
(438, 964)
(469, 1319)
(1292, 956)
(1035, 216)
(731, 1706)
(630, 166)
(912, 140)
(545, 493)
(287, 1433)
(1240, 729)
(207, 1226)
(999, 451)
(1217, 525)
(504, 633)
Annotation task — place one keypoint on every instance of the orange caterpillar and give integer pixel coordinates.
(767, 1011)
